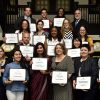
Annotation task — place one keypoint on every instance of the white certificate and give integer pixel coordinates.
(83, 82)
(37, 38)
(46, 24)
(58, 22)
(68, 43)
(11, 38)
(19, 36)
(27, 50)
(74, 52)
(33, 27)
(84, 42)
(50, 50)
(39, 64)
(17, 74)
(59, 77)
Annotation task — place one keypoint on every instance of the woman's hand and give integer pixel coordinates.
(24, 82)
(8, 82)
(43, 71)
(74, 84)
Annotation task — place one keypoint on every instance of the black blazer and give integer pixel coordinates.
(18, 21)
(89, 67)
(80, 23)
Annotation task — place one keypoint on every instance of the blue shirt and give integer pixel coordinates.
(15, 86)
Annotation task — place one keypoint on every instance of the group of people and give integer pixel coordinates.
(53, 44)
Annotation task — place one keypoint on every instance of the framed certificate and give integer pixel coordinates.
(33, 27)
(11, 38)
(17, 74)
(59, 77)
(46, 24)
(37, 38)
(68, 43)
(74, 52)
(27, 50)
(58, 22)
(39, 64)
(50, 50)
(83, 82)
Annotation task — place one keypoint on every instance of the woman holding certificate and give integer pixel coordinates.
(84, 78)
(15, 77)
(62, 69)
(39, 87)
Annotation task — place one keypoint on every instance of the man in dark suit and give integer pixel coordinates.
(27, 15)
(78, 21)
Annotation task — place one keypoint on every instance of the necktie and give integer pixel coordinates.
(76, 22)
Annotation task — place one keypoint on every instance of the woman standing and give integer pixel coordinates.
(39, 87)
(85, 67)
(66, 29)
(62, 62)
(15, 89)
(85, 38)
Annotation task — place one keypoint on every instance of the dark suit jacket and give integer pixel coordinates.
(88, 67)
(80, 23)
(18, 21)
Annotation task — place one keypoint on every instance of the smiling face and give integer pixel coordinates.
(17, 56)
(61, 12)
(59, 50)
(54, 32)
(66, 24)
(82, 31)
(39, 25)
(77, 14)
(84, 52)
(40, 50)
(27, 12)
(44, 13)
(76, 43)
(24, 25)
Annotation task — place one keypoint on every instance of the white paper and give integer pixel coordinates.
(37, 39)
(11, 38)
(83, 83)
(46, 24)
(74, 52)
(68, 43)
(39, 64)
(50, 50)
(17, 74)
(59, 77)
(27, 50)
(84, 42)
(31, 37)
(33, 27)
(58, 22)
(19, 36)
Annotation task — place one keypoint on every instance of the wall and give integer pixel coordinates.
(82, 2)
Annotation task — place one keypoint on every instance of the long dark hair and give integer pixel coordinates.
(28, 28)
(22, 61)
(59, 35)
(78, 39)
(36, 47)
